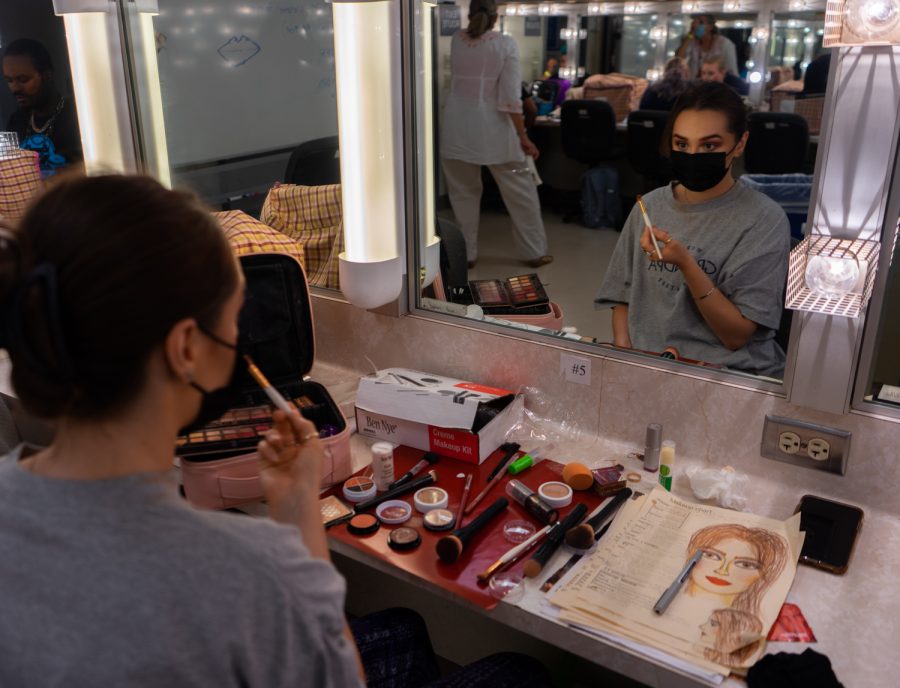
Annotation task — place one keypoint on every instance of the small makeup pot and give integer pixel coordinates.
(429, 498)
(507, 586)
(393, 512)
(557, 495)
(439, 520)
(358, 489)
(404, 539)
(518, 531)
(363, 524)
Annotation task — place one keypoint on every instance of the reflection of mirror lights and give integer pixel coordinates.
(632, 8)
(544, 8)
(761, 33)
(367, 41)
(572, 34)
(797, 5)
(653, 75)
(754, 77)
(690, 6)
(658, 33)
(731, 6)
(594, 8)
(873, 18)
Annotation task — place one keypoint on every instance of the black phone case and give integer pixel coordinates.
(831, 530)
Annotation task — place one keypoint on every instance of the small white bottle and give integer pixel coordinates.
(382, 465)
(666, 464)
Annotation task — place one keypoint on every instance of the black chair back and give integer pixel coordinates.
(588, 130)
(645, 132)
(778, 143)
(315, 163)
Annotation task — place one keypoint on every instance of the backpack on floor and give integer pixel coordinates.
(600, 204)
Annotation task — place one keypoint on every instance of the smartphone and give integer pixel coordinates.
(831, 530)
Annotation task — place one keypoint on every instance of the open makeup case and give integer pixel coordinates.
(219, 465)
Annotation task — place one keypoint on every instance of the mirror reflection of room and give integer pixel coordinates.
(38, 113)
(580, 99)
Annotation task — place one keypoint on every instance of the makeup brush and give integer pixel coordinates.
(460, 512)
(428, 460)
(510, 449)
(450, 547)
(422, 481)
(513, 553)
(565, 568)
(273, 394)
(582, 536)
(481, 495)
(535, 565)
(649, 225)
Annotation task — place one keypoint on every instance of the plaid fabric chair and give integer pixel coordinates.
(311, 215)
(247, 235)
(20, 182)
(811, 110)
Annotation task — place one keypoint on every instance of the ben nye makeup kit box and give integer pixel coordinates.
(455, 418)
(219, 465)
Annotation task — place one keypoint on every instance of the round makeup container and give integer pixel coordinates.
(393, 512)
(507, 586)
(518, 531)
(429, 498)
(439, 519)
(363, 524)
(404, 538)
(556, 494)
(358, 489)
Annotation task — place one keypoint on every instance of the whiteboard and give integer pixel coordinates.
(243, 77)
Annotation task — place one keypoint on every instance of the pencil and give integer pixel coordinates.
(649, 225)
(273, 394)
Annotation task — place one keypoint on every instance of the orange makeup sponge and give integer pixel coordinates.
(578, 476)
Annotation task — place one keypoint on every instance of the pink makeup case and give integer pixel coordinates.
(219, 464)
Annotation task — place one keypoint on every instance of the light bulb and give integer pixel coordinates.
(594, 8)
(689, 7)
(544, 8)
(657, 33)
(831, 276)
(755, 77)
(873, 18)
(731, 6)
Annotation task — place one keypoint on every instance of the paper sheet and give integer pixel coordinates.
(732, 597)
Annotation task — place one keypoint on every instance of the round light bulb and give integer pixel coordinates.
(832, 276)
(755, 77)
(873, 18)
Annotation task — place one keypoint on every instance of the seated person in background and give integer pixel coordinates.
(663, 94)
(45, 121)
(815, 79)
(563, 84)
(552, 68)
(713, 69)
(717, 293)
(704, 41)
(529, 108)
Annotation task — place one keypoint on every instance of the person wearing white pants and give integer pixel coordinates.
(482, 124)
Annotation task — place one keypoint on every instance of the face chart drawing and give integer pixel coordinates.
(727, 568)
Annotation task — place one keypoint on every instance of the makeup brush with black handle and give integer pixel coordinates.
(582, 536)
(535, 565)
(428, 460)
(422, 481)
(450, 547)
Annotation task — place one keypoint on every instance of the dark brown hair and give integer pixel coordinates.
(482, 15)
(100, 270)
(707, 95)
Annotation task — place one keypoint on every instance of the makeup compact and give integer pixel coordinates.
(219, 464)
(333, 511)
(363, 524)
(404, 539)
(439, 519)
(523, 294)
(429, 498)
(358, 489)
(557, 495)
(393, 512)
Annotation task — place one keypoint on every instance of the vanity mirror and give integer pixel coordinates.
(495, 232)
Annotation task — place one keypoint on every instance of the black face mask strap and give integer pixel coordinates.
(45, 274)
(216, 338)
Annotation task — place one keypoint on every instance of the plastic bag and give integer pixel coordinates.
(724, 485)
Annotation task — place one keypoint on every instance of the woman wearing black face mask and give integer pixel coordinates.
(120, 306)
(717, 292)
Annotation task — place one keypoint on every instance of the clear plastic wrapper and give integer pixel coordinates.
(725, 486)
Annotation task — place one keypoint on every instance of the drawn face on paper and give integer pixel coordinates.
(728, 568)
(709, 630)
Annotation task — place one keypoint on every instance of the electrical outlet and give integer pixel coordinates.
(806, 444)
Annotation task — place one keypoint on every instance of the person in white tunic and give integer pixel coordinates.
(482, 124)
(704, 42)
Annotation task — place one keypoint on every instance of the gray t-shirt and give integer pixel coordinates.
(741, 240)
(120, 582)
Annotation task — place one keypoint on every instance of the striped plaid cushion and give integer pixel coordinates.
(247, 235)
(312, 216)
(20, 182)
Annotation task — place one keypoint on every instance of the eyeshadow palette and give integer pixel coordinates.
(522, 291)
(241, 429)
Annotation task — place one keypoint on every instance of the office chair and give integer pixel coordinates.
(645, 132)
(588, 132)
(778, 143)
(315, 163)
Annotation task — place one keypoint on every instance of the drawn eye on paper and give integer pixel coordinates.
(730, 636)
(239, 50)
(738, 565)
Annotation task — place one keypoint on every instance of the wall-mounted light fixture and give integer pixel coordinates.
(368, 71)
(731, 6)
(595, 8)
(658, 33)
(796, 5)
(832, 276)
(862, 22)
(632, 8)
(544, 8)
(572, 34)
(429, 243)
(98, 80)
(690, 7)
(760, 33)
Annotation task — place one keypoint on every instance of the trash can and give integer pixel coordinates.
(790, 191)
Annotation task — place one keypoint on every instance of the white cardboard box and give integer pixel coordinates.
(434, 413)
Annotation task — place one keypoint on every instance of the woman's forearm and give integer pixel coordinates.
(518, 121)
(620, 326)
(723, 317)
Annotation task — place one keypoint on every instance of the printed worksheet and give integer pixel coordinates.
(720, 617)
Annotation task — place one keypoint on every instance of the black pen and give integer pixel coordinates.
(428, 460)
(511, 448)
